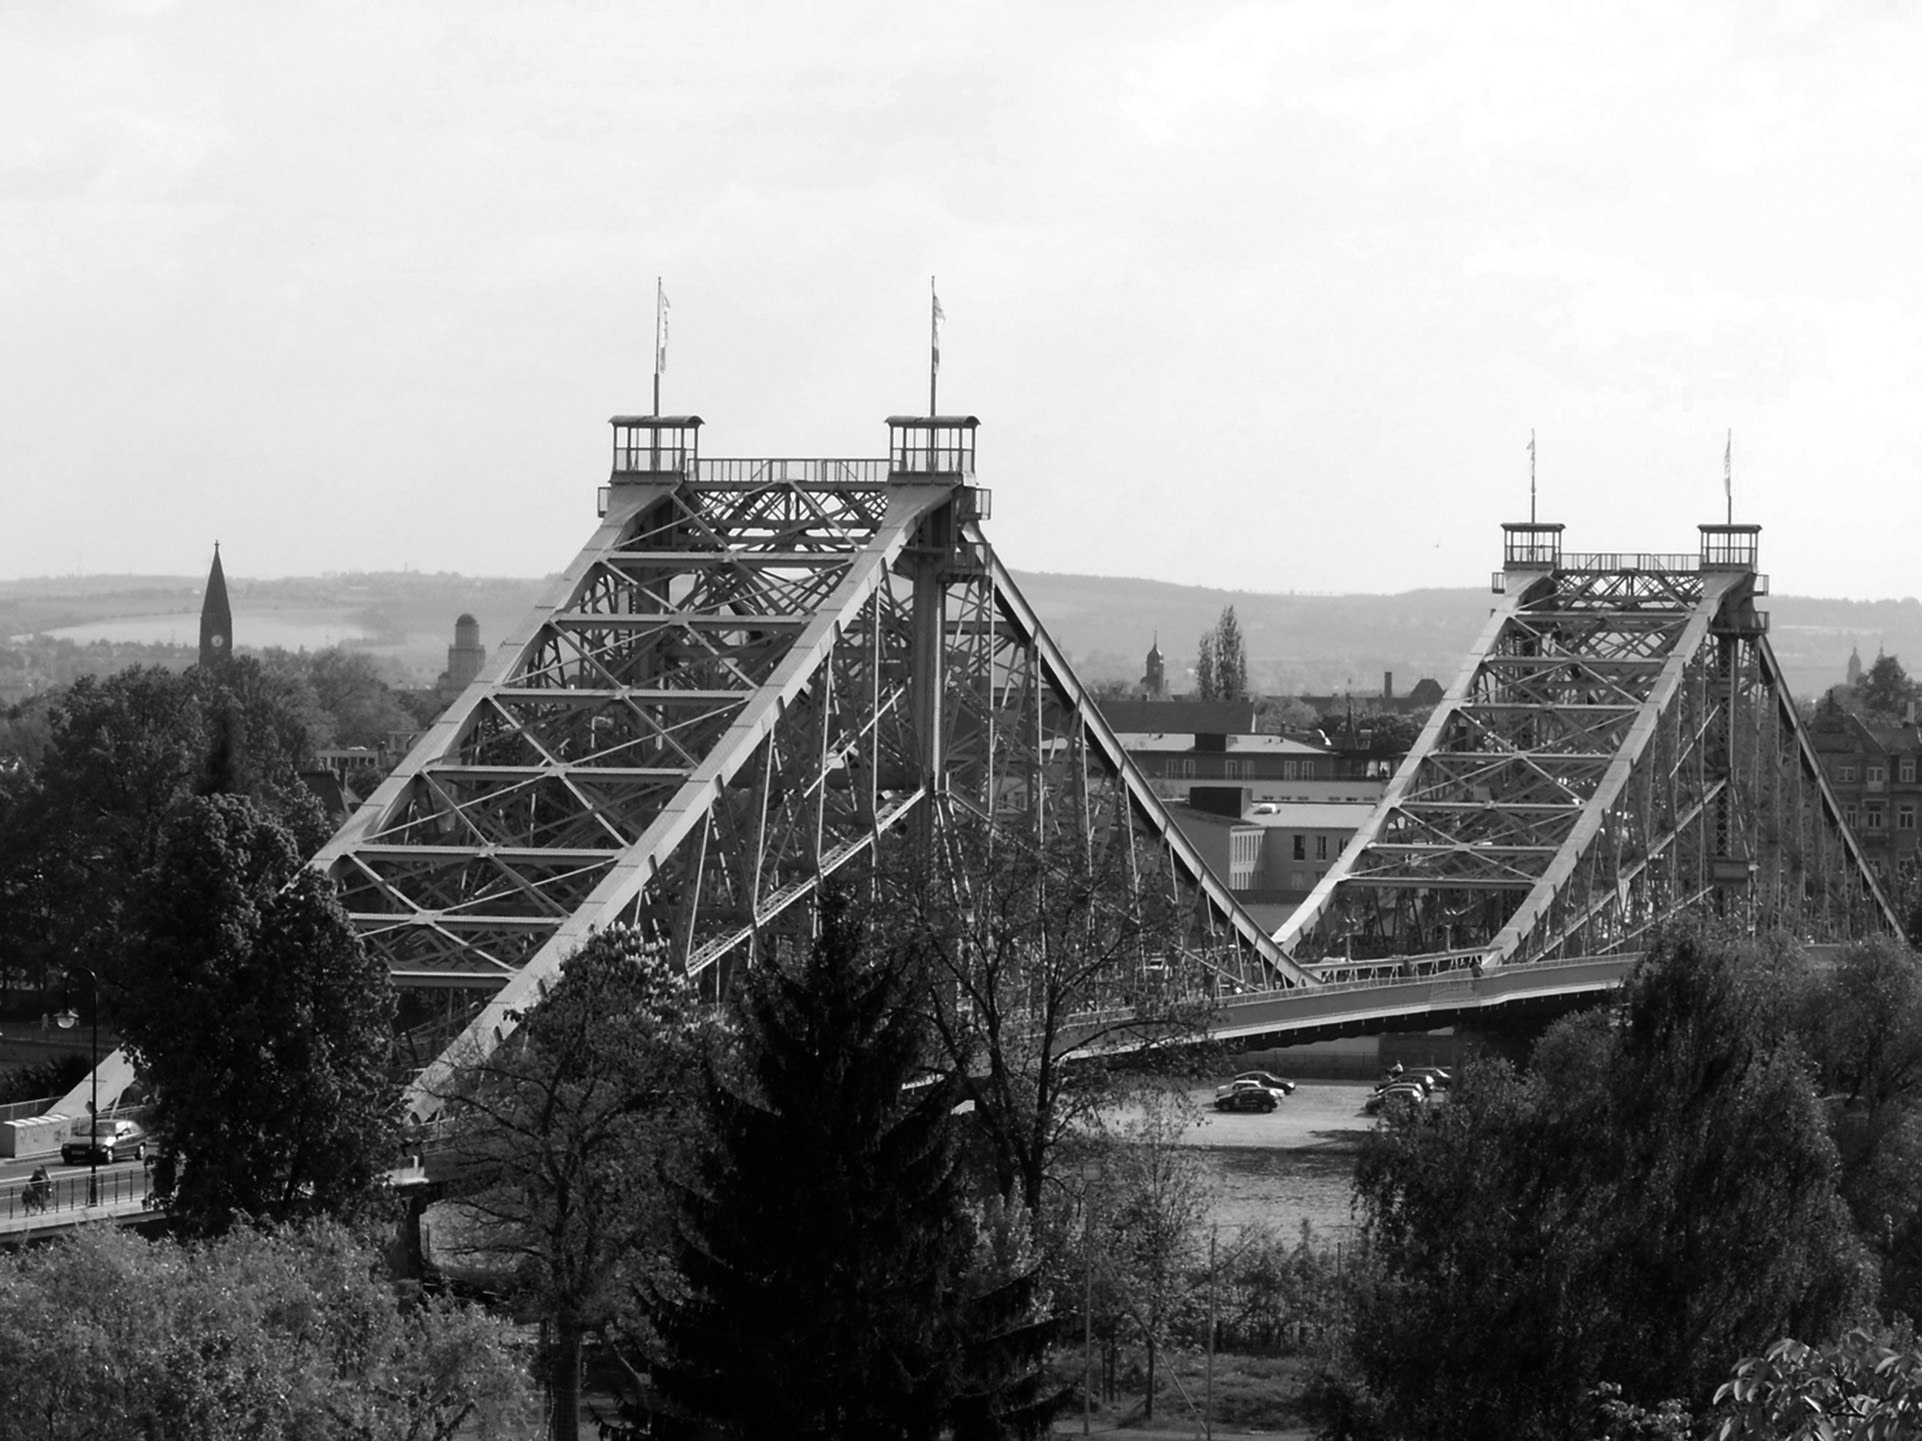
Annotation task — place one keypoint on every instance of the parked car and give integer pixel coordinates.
(1409, 1092)
(106, 1139)
(1268, 1079)
(1245, 1096)
(1438, 1077)
(1403, 1078)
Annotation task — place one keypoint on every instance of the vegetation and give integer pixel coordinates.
(261, 1334)
(259, 1020)
(569, 1123)
(822, 1245)
(1654, 1200)
(1221, 661)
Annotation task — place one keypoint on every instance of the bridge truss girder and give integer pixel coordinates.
(1619, 750)
(752, 675)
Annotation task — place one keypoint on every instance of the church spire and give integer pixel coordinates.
(216, 617)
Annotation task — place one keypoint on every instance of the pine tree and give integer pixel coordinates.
(821, 1239)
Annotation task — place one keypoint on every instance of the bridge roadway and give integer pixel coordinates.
(122, 1197)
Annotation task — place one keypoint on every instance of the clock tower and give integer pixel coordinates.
(216, 618)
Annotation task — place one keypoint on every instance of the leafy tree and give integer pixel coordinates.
(571, 1120)
(1019, 945)
(123, 754)
(1867, 1386)
(257, 1335)
(1651, 1202)
(1151, 1235)
(260, 1020)
(822, 1239)
(1885, 689)
(1221, 667)
(1864, 1026)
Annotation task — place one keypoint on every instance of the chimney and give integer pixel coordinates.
(1388, 685)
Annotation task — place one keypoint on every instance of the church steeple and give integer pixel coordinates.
(216, 617)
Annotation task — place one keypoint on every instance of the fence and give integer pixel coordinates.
(68, 1194)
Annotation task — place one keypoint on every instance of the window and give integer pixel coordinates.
(1876, 775)
(1906, 770)
(1905, 816)
(1848, 814)
(1875, 818)
(1321, 848)
(1845, 774)
(1301, 848)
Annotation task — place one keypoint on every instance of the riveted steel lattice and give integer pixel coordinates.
(1619, 749)
(753, 673)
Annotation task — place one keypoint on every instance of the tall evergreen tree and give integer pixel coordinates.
(821, 1238)
(1221, 664)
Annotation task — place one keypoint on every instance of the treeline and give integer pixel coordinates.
(1726, 1160)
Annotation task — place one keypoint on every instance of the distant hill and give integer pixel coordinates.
(1296, 643)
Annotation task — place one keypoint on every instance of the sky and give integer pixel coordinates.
(1259, 296)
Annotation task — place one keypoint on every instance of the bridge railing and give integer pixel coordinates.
(791, 471)
(70, 1193)
(1631, 560)
(1383, 974)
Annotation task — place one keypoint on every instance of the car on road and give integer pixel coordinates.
(1269, 1079)
(106, 1139)
(1245, 1096)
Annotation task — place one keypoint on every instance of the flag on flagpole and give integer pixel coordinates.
(1728, 467)
(935, 325)
(660, 329)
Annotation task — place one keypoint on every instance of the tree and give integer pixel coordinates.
(1029, 953)
(1651, 1202)
(822, 1242)
(1158, 1195)
(570, 1122)
(250, 1005)
(1867, 1386)
(283, 1334)
(1885, 689)
(123, 753)
(1221, 667)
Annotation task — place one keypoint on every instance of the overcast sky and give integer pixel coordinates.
(1263, 296)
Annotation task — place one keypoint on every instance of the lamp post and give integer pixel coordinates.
(67, 1020)
(1090, 1173)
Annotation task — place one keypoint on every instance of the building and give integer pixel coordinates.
(1272, 856)
(1269, 813)
(1154, 679)
(1426, 695)
(216, 617)
(464, 659)
(1182, 746)
(1875, 770)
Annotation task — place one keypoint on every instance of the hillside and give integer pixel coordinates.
(1296, 643)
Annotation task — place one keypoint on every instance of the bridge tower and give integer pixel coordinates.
(1620, 748)
(754, 673)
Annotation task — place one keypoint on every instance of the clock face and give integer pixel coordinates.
(218, 641)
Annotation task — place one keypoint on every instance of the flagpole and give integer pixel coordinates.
(657, 344)
(1531, 475)
(934, 345)
(1728, 474)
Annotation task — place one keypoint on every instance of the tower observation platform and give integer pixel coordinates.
(757, 672)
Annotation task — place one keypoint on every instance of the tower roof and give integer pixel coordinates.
(216, 616)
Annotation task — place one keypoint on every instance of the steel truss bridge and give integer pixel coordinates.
(757, 672)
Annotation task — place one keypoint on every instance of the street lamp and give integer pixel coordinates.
(67, 1020)
(1090, 1173)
